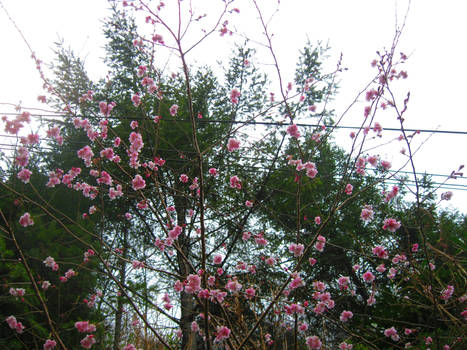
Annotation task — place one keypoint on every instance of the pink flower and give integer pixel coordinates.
(11, 320)
(368, 277)
(136, 99)
(348, 189)
(296, 249)
(235, 182)
(447, 293)
(271, 261)
(86, 154)
(367, 213)
(193, 284)
(320, 242)
(385, 164)
(233, 145)
(184, 178)
(246, 236)
(222, 333)
(313, 343)
(50, 344)
(85, 327)
(391, 332)
(250, 293)
(292, 130)
(446, 196)
(129, 347)
(217, 259)
(343, 282)
(173, 110)
(318, 220)
(346, 315)
(88, 341)
(249, 204)
(24, 175)
(234, 95)
(381, 268)
(212, 171)
(106, 108)
(138, 183)
(391, 225)
(380, 252)
(233, 286)
(26, 220)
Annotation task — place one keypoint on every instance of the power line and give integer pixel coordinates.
(252, 122)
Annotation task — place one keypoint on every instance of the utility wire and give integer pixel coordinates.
(250, 122)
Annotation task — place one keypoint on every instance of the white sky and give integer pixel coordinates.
(433, 37)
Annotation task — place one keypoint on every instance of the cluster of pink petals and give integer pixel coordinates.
(235, 182)
(193, 284)
(26, 220)
(234, 95)
(313, 343)
(14, 324)
(346, 315)
(85, 327)
(88, 341)
(222, 333)
(50, 344)
(367, 213)
(392, 333)
(391, 225)
(320, 242)
(296, 249)
(292, 130)
(233, 145)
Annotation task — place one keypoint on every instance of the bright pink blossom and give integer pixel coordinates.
(313, 343)
(233, 145)
(173, 110)
(235, 182)
(292, 130)
(217, 259)
(391, 332)
(26, 220)
(368, 277)
(222, 333)
(320, 242)
(85, 327)
(88, 341)
(138, 183)
(24, 175)
(234, 95)
(50, 344)
(391, 225)
(346, 315)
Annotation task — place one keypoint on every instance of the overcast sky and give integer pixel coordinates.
(434, 37)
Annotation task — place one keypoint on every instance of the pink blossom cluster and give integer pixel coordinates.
(233, 145)
(292, 130)
(26, 220)
(320, 242)
(234, 96)
(17, 292)
(296, 249)
(391, 225)
(222, 333)
(85, 327)
(14, 324)
(310, 167)
(50, 262)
